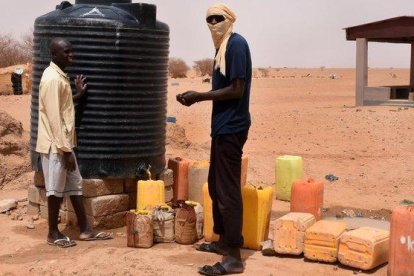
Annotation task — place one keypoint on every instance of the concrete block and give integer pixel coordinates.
(39, 179)
(105, 222)
(167, 176)
(33, 208)
(132, 200)
(101, 187)
(43, 211)
(37, 195)
(104, 205)
(130, 185)
(169, 194)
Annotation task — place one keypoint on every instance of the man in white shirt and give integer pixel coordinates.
(55, 142)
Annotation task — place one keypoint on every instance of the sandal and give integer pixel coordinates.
(62, 243)
(212, 247)
(97, 236)
(218, 269)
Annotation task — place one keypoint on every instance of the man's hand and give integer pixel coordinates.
(80, 85)
(188, 98)
(68, 161)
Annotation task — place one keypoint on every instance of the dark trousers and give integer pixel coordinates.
(224, 186)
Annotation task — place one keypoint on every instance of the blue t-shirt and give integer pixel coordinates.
(233, 116)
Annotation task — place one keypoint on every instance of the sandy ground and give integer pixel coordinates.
(294, 111)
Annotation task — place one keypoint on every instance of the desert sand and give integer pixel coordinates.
(294, 111)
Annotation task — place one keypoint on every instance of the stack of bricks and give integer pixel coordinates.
(106, 201)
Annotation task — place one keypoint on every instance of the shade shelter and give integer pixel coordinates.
(393, 30)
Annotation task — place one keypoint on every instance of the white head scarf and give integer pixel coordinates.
(221, 32)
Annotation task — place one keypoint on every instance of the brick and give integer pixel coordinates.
(106, 222)
(167, 176)
(130, 185)
(104, 205)
(101, 187)
(37, 195)
(38, 179)
(33, 208)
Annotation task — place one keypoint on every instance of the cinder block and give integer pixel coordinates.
(33, 208)
(43, 211)
(39, 179)
(37, 195)
(106, 222)
(104, 205)
(169, 194)
(167, 176)
(130, 185)
(101, 187)
(132, 200)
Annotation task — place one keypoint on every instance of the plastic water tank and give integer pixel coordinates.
(123, 51)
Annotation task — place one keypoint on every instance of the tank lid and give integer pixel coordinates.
(102, 2)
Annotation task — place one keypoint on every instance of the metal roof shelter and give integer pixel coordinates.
(392, 30)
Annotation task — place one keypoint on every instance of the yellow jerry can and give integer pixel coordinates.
(364, 248)
(208, 232)
(288, 169)
(257, 205)
(150, 193)
(322, 240)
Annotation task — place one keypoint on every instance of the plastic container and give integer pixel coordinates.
(401, 254)
(307, 197)
(364, 248)
(139, 229)
(289, 232)
(322, 240)
(185, 225)
(179, 166)
(163, 219)
(200, 219)
(257, 205)
(288, 169)
(197, 176)
(208, 232)
(150, 193)
(245, 163)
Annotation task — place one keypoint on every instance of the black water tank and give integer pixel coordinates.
(123, 51)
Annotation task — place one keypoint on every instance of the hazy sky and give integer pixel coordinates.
(292, 33)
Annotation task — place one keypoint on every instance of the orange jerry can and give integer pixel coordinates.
(307, 197)
(401, 254)
(208, 232)
(179, 166)
(257, 205)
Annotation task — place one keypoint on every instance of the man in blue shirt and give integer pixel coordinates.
(230, 123)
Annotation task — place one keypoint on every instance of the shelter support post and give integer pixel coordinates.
(411, 95)
(361, 70)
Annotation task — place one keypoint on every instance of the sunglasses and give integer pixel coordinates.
(216, 18)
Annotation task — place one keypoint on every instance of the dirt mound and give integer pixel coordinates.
(14, 152)
(176, 137)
